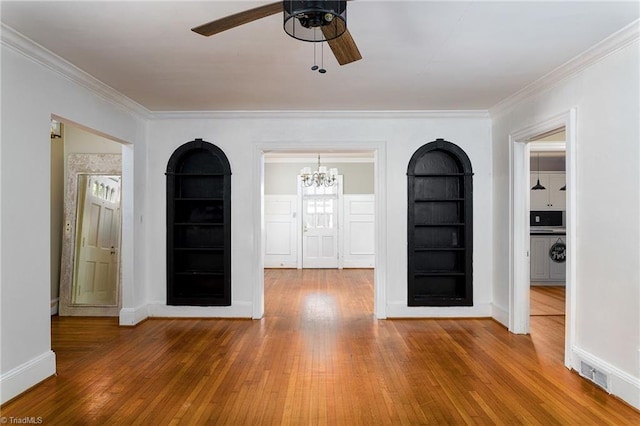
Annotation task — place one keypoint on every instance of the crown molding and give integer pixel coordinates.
(615, 42)
(288, 114)
(42, 56)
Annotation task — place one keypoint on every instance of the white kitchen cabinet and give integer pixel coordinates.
(543, 268)
(539, 258)
(550, 198)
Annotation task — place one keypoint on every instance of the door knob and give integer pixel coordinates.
(113, 250)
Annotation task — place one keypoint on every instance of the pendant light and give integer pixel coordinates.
(537, 186)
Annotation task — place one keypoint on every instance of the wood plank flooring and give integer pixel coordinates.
(317, 357)
(547, 300)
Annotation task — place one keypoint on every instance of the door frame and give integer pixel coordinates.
(519, 202)
(300, 216)
(379, 161)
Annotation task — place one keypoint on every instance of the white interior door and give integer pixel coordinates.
(320, 227)
(98, 242)
(281, 231)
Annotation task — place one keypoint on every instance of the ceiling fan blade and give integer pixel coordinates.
(344, 48)
(237, 19)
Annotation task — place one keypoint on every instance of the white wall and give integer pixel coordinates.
(607, 315)
(280, 178)
(31, 93)
(238, 135)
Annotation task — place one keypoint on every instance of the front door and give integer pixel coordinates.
(98, 242)
(320, 226)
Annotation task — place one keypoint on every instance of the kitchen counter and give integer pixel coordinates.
(547, 231)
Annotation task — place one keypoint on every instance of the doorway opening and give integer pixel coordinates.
(523, 144)
(326, 227)
(547, 253)
(86, 218)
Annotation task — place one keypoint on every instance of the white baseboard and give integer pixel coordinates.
(54, 305)
(133, 316)
(21, 378)
(621, 384)
(500, 314)
(278, 264)
(236, 310)
(367, 262)
(401, 310)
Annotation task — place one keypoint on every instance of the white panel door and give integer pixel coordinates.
(96, 276)
(359, 231)
(280, 248)
(320, 227)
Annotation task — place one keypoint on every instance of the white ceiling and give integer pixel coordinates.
(418, 55)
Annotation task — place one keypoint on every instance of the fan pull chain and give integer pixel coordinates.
(315, 67)
(322, 70)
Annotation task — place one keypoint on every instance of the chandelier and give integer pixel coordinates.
(321, 177)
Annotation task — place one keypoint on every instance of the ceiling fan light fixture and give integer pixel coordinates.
(302, 18)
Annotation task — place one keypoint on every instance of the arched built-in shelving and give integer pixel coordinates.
(198, 226)
(440, 226)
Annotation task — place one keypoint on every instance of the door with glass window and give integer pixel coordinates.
(320, 227)
(98, 241)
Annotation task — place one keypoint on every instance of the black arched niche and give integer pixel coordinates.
(440, 226)
(198, 226)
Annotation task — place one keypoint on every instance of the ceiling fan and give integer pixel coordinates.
(313, 21)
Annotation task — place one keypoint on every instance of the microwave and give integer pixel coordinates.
(546, 218)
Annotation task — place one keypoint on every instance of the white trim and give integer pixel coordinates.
(620, 383)
(299, 222)
(548, 147)
(32, 372)
(401, 310)
(340, 219)
(54, 305)
(518, 235)
(500, 314)
(347, 115)
(257, 310)
(133, 316)
(283, 265)
(379, 149)
(241, 309)
(594, 54)
(519, 225)
(43, 56)
(380, 191)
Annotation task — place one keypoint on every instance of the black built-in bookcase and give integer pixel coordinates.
(198, 226)
(440, 226)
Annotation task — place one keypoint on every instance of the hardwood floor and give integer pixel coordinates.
(547, 306)
(317, 357)
(547, 300)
